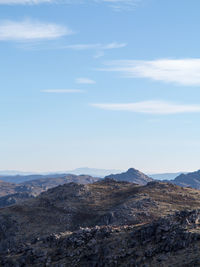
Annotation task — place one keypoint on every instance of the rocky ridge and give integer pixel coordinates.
(170, 241)
(11, 193)
(132, 175)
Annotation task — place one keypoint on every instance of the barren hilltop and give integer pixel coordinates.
(132, 175)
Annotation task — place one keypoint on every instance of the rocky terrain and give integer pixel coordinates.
(170, 241)
(107, 223)
(7, 188)
(11, 193)
(15, 198)
(132, 175)
(191, 179)
(46, 183)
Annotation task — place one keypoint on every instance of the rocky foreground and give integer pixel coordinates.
(107, 223)
(170, 241)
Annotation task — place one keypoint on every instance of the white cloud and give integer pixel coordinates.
(179, 71)
(150, 107)
(100, 47)
(85, 81)
(62, 91)
(28, 30)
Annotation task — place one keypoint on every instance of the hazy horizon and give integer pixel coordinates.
(92, 168)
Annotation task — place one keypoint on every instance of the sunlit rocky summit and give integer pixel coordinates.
(132, 175)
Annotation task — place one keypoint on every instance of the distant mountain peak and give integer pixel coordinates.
(133, 170)
(131, 175)
(191, 179)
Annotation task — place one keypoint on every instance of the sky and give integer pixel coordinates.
(100, 83)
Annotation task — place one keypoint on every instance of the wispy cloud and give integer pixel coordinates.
(179, 71)
(85, 81)
(29, 30)
(98, 46)
(150, 107)
(62, 91)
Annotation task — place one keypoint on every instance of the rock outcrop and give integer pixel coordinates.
(11, 193)
(132, 175)
(170, 241)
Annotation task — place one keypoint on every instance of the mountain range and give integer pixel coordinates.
(20, 176)
(33, 185)
(29, 186)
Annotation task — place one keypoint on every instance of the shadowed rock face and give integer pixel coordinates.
(170, 241)
(12, 199)
(191, 179)
(132, 175)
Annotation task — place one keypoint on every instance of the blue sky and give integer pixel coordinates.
(104, 84)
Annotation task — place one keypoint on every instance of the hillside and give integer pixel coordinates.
(71, 206)
(46, 183)
(132, 175)
(11, 193)
(166, 242)
(7, 188)
(12, 199)
(191, 179)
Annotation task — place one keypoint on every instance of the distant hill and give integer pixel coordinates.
(11, 193)
(46, 183)
(191, 179)
(25, 178)
(132, 175)
(165, 176)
